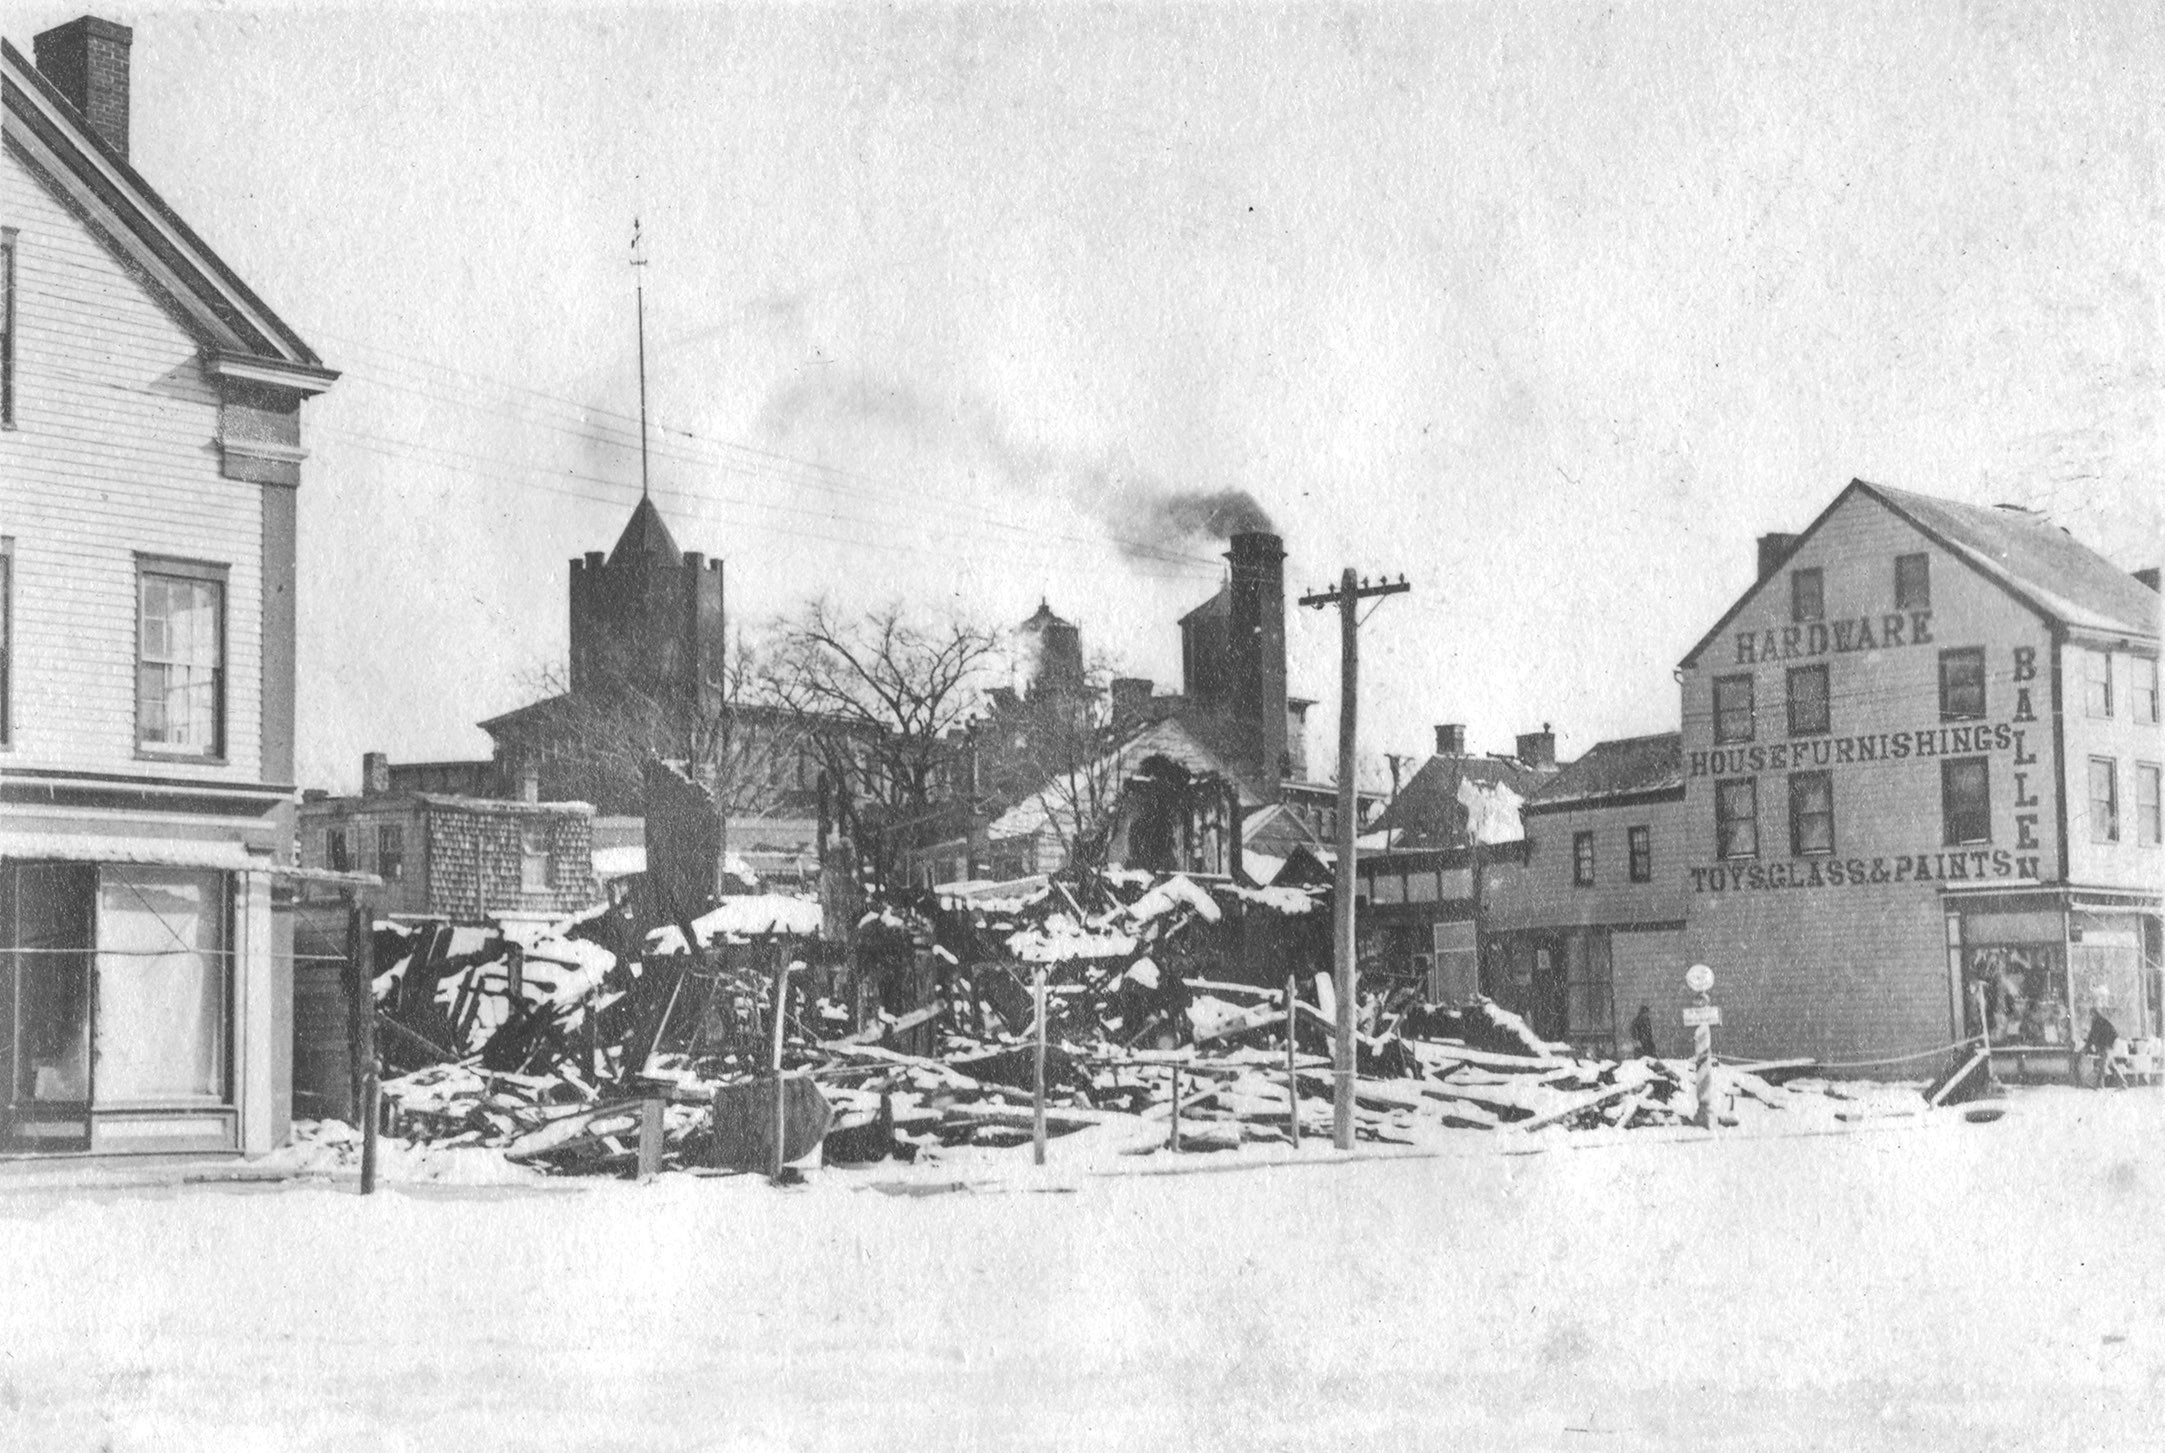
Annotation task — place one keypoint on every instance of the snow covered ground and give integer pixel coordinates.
(1917, 1284)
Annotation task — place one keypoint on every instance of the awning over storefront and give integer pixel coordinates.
(229, 857)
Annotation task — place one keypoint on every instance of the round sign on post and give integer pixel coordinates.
(1698, 978)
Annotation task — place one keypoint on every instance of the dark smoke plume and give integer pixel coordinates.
(1171, 519)
(1142, 515)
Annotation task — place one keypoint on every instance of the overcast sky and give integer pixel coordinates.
(1551, 308)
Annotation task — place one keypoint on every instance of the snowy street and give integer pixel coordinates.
(1921, 1284)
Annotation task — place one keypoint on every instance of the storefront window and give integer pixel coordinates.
(2018, 993)
(1390, 887)
(45, 929)
(1421, 886)
(162, 995)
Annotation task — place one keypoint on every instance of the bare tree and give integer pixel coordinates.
(732, 737)
(1053, 763)
(882, 699)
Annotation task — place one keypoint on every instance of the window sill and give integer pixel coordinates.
(152, 754)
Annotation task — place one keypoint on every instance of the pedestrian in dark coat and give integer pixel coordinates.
(2100, 1042)
(1642, 1034)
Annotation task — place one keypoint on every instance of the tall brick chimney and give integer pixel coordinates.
(375, 774)
(1450, 739)
(88, 60)
(1255, 650)
(1538, 749)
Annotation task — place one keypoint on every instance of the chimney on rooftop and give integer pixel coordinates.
(1255, 650)
(1537, 749)
(1451, 739)
(87, 59)
(375, 774)
(1773, 550)
(1131, 695)
(2148, 576)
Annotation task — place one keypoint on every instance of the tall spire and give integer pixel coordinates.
(638, 262)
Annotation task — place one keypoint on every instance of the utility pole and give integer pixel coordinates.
(638, 262)
(1347, 597)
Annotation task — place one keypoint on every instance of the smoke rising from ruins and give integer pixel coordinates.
(1143, 516)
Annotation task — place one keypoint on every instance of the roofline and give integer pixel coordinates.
(1640, 798)
(32, 99)
(1960, 552)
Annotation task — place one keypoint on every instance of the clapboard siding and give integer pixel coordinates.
(115, 452)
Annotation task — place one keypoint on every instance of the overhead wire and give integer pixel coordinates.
(594, 424)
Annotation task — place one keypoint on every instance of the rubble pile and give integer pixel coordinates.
(1166, 1008)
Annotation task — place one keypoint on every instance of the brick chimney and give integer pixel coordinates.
(375, 774)
(1255, 650)
(88, 60)
(1537, 749)
(1773, 550)
(1131, 697)
(1451, 739)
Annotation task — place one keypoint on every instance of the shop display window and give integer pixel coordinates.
(2018, 994)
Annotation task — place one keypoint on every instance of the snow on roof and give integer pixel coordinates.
(619, 862)
(2034, 557)
(1623, 767)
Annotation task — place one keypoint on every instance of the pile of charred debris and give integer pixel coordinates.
(1166, 1006)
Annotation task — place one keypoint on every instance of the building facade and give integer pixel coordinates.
(151, 451)
(1920, 763)
(1420, 875)
(445, 856)
(1586, 926)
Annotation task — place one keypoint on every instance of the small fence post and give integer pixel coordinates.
(1037, 1102)
(1292, 1063)
(781, 1014)
(651, 1127)
(361, 961)
(1174, 1143)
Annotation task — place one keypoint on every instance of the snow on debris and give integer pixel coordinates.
(751, 916)
(1175, 892)
(1060, 938)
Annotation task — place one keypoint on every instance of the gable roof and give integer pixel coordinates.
(1220, 604)
(242, 337)
(1426, 813)
(646, 537)
(1191, 740)
(2063, 580)
(2039, 562)
(1628, 767)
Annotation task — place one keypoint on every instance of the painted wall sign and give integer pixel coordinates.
(1821, 638)
(1953, 866)
(1935, 741)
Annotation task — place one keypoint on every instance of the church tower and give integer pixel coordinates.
(647, 620)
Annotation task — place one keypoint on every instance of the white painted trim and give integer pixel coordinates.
(268, 326)
(264, 449)
(253, 368)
